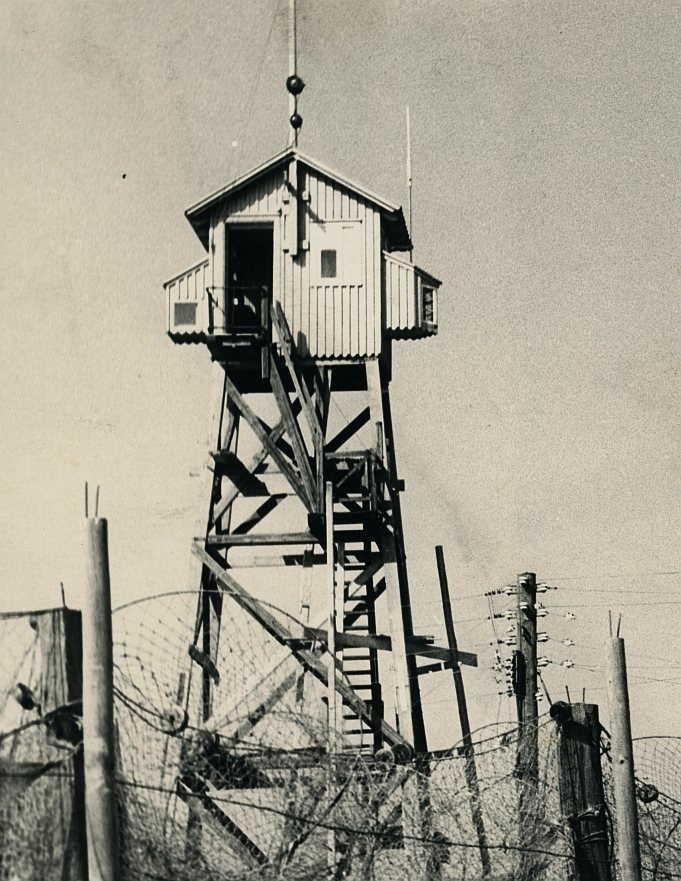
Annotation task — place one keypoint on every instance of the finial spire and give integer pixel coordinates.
(294, 84)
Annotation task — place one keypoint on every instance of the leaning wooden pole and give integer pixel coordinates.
(98, 709)
(623, 762)
(471, 770)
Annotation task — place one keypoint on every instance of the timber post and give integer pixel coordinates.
(525, 687)
(580, 784)
(526, 675)
(61, 650)
(629, 851)
(98, 710)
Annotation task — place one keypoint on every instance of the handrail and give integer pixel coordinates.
(259, 295)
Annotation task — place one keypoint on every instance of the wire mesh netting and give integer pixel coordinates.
(39, 733)
(262, 788)
(658, 788)
(253, 785)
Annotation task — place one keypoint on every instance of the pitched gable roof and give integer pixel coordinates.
(396, 228)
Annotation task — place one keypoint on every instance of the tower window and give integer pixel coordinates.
(428, 305)
(184, 313)
(329, 262)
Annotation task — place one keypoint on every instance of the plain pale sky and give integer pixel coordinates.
(539, 431)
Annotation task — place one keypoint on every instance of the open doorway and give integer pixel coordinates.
(250, 257)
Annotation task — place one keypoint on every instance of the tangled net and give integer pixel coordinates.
(39, 837)
(658, 787)
(261, 789)
(264, 790)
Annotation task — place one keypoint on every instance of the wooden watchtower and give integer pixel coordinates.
(299, 300)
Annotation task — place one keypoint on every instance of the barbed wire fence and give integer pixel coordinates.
(262, 789)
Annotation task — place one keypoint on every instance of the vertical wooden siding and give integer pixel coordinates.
(335, 320)
(260, 198)
(190, 287)
(400, 294)
(326, 320)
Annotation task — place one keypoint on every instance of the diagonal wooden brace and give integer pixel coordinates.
(290, 355)
(283, 635)
(266, 440)
(275, 435)
(294, 432)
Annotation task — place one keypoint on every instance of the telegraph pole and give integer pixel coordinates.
(525, 673)
(525, 688)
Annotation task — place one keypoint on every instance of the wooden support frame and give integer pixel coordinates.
(295, 435)
(363, 517)
(399, 607)
(310, 661)
(269, 444)
(275, 436)
(311, 415)
(415, 645)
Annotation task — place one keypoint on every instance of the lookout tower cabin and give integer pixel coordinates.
(296, 233)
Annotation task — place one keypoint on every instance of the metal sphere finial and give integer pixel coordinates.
(296, 121)
(295, 85)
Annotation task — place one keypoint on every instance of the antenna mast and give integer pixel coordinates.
(411, 250)
(294, 84)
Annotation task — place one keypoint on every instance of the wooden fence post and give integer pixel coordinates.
(628, 846)
(580, 783)
(98, 709)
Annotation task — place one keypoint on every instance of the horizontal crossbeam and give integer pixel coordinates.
(260, 538)
(415, 645)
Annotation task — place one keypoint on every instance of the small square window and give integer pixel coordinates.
(184, 314)
(429, 305)
(329, 264)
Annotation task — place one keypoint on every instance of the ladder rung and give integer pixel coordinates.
(350, 517)
(352, 536)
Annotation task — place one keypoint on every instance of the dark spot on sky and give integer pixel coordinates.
(124, 176)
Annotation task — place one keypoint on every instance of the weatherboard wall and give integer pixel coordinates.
(328, 318)
(333, 314)
(341, 317)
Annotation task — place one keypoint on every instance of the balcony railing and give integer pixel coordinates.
(248, 311)
(196, 307)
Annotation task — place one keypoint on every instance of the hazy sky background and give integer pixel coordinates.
(539, 431)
